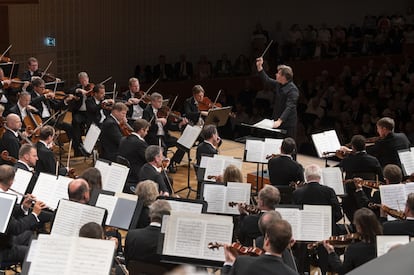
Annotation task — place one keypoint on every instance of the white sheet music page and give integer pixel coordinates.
(7, 202)
(109, 203)
(105, 169)
(204, 161)
(326, 142)
(393, 196)
(407, 160)
(254, 150)
(214, 168)
(20, 183)
(325, 211)
(183, 206)
(236, 192)
(272, 146)
(189, 136)
(188, 235)
(385, 243)
(332, 177)
(91, 137)
(116, 178)
(214, 195)
(50, 189)
(71, 216)
(292, 215)
(265, 123)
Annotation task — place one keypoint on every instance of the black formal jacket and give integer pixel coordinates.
(94, 111)
(405, 227)
(151, 137)
(127, 96)
(249, 229)
(359, 164)
(189, 70)
(355, 255)
(205, 149)
(191, 111)
(148, 172)
(110, 138)
(141, 244)
(133, 149)
(283, 170)
(264, 264)
(285, 101)
(386, 149)
(46, 162)
(36, 101)
(11, 143)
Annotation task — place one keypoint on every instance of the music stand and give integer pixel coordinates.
(218, 116)
(90, 140)
(185, 143)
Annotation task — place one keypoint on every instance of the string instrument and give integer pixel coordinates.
(126, 129)
(33, 124)
(337, 241)
(16, 83)
(365, 183)
(297, 184)
(390, 211)
(144, 96)
(71, 171)
(61, 95)
(206, 104)
(4, 58)
(24, 138)
(238, 249)
(2, 124)
(251, 209)
(338, 153)
(6, 157)
(173, 116)
(272, 156)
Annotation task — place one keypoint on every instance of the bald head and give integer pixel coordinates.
(78, 191)
(14, 122)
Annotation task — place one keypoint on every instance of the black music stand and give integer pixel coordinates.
(218, 116)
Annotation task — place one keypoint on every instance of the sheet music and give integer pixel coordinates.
(71, 255)
(254, 150)
(189, 136)
(20, 183)
(326, 142)
(183, 206)
(50, 189)
(114, 175)
(215, 196)
(325, 211)
(71, 216)
(272, 145)
(332, 177)
(91, 137)
(409, 188)
(204, 161)
(393, 196)
(215, 167)
(236, 192)
(384, 243)
(7, 202)
(188, 235)
(407, 160)
(292, 215)
(109, 203)
(265, 123)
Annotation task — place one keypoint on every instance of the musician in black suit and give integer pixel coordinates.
(211, 141)
(191, 110)
(386, 147)
(283, 169)
(141, 244)
(402, 227)
(111, 131)
(27, 158)
(268, 199)
(14, 243)
(10, 140)
(78, 191)
(32, 70)
(4, 93)
(132, 99)
(46, 162)
(22, 107)
(153, 168)
(133, 149)
(183, 69)
(286, 97)
(357, 253)
(277, 238)
(94, 106)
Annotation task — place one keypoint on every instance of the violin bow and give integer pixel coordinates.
(114, 94)
(47, 68)
(6, 51)
(46, 121)
(267, 48)
(106, 80)
(152, 86)
(12, 68)
(217, 97)
(70, 149)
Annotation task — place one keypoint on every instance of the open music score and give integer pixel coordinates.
(395, 195)
(385, 243)
(114, 175)
(215, 166)
(20, 183)
(50, 189)
(326, 141)
(332, 177)
(259, 150)
(407, 160)
(7, 202)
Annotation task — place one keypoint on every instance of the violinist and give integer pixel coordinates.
(386, 147)
(46, 162)
(111, 133)
(361, 252)
(96, 114)
(133, 100)
(32, 70)
(191, 109)
(210, 143)
(11, 140)
(22, 106)
(4, 82)
(402, 227)
(277, 238)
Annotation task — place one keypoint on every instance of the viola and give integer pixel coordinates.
(337, 241)
(206, 104)
(251, 209)
(390, 211)
(6, 157)
(238, 249)
(126, 129)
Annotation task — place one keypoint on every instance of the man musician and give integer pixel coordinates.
(95, 106)
(133, 100)
(191, 110)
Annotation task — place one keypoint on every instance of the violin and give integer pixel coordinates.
(143, 96)
(173, 116)
(33, 124)
(89, 88)
(337, 241)
(251, 209)
(238, 249)
(5, 59)
(296, 184)
(126, 129)
(365, 183)
(6, 157)
(390, 211)
(16, 83)
(206, 104)
(338, 153)
(271, 156)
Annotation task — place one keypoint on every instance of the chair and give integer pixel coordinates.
(143, 268)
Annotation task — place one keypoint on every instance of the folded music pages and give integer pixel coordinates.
(313, 223)
(218, 196)
(259, 151)
(407, 160)
(188, 235)
(20, 183)
(7, 202)
(326, 142)
(386, 243)
(56, 254)
(91, 138)
(332, 177)
(71, 216)
(216, 165)
(121, 208)
(265, 124)
(189, 136)
(50, 189)
(114, 175)
(186, 205)
(395, 195)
